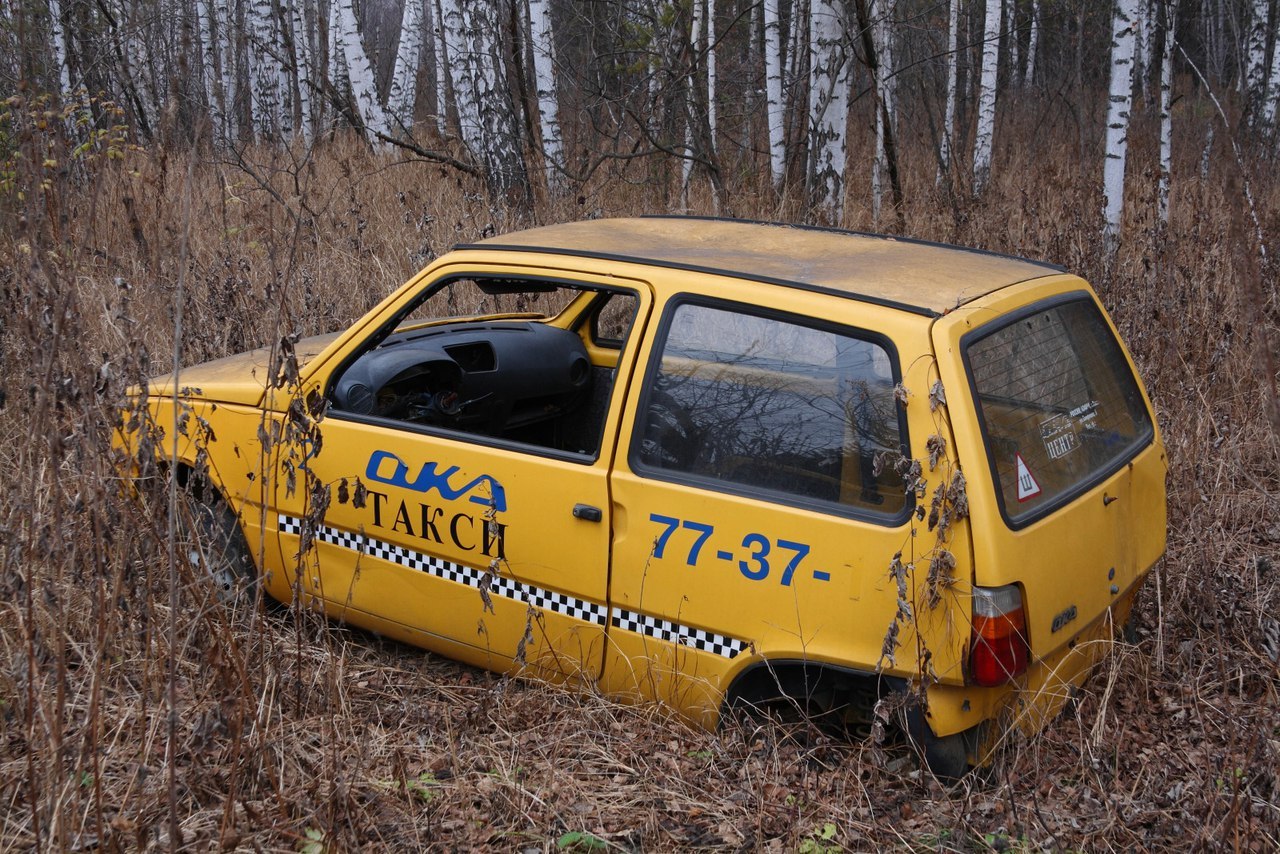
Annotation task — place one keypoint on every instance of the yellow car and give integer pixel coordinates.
(702, 462)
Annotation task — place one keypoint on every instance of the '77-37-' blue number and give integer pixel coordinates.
(755, 565)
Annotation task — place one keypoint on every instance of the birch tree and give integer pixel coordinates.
(1118, 107)
(690, 141)
(359, 71)
(984, 136)
(949, 114)
(444, 84)
(403, 92)
(301, 15)
(543, 47)
(1256, 69)
(828, 106)
(486, 115)
(1033, 43)
(59, 37)
(775, 107)
(264, 73)
(1272, 94)
(208, 26)
(1169, 12)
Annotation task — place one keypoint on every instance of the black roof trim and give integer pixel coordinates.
(696, 268)
(829, 230)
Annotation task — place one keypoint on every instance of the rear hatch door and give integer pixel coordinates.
(1061, 451)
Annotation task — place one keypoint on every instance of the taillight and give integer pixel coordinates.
(999, 651)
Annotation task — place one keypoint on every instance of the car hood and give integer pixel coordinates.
(241, 378)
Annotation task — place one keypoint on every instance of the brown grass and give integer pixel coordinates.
(295, 733)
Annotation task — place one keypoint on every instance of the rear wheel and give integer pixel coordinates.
(209, 536)
(946, 756)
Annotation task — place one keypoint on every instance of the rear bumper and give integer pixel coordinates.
(1028, 706)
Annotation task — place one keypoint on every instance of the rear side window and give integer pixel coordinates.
(751, 403)
(1060, 408)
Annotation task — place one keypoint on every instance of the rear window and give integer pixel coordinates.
(1059, 406)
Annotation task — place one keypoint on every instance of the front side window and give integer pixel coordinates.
(1059, 405)
(500, 359)
(754, 403)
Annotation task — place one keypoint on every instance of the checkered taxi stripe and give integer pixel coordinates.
(548, 600)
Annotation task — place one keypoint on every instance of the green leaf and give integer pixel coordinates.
(580, 840)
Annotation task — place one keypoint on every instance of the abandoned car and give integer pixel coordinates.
(702, 462)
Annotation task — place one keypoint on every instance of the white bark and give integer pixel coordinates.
(949, 117)
(443, 72)
(224, 33)
(305, 64)
(1256, 71)
(1272, 96)
(1118, 106)
(404, 76)
(1010, 30)
(828, 105)
(364, 92)
(542, 42)
(1033, 43)
(264, 73)
(209, 25)
(711, 70)
(886, 95)
(485, 114)
(1166, 102)
(984, 137)
(775, 108)
(59, 45)
(690, 145)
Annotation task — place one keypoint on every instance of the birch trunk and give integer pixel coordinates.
(828, 106)
(208, 26)
(1170, 10)
(359, 70)
(1010, 34)
(486, 116)
(444, 73)
(404, 76)
(949, 116)
(543, 46)
(1118, 106)
(775, 108)
(1272, 94)
(264, 74)
(984, 137)
(690, 142)
(1033, 44)
(711, 71)
(59, 46)
(1256, 70)
(224, 30)
(304, 65)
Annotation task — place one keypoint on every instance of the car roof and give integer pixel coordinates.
(915, 275)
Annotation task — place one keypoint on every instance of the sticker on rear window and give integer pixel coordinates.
(1028, 487)
(1059, 435)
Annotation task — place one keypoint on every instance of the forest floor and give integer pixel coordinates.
(298, 735)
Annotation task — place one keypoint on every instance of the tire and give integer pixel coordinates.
(947, 757)
(209, 536)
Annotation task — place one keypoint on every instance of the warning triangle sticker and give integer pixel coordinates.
(1028, 487)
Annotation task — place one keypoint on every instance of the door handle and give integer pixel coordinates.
(587, 512)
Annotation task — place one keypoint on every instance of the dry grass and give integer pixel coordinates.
(294, 733)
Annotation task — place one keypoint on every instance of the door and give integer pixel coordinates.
(1066, 470)
(753, 516)
(466, 453)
